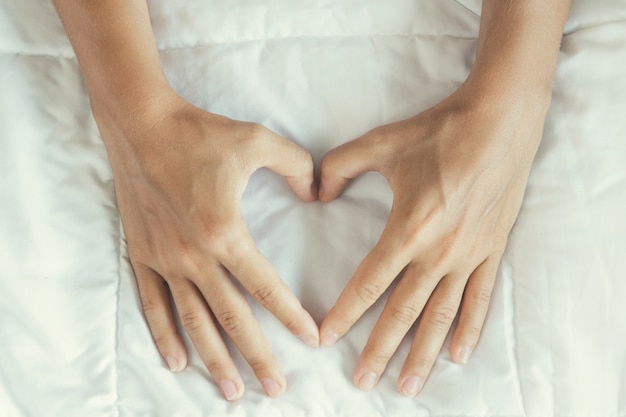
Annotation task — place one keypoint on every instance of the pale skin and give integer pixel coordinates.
(458, 172)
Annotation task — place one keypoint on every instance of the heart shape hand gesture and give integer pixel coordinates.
(458, 173)
(457, 185)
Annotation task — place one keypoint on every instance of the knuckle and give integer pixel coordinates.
(481, 297)
(152, 307)
(412, 235)
(414, 226)
(231, 322)
(292, 322)
(376, 358)
(166, 267)
(447, 249)
(259, 365)
(404, 314)
(267, 295)
(254, 135)
(138, 253)
(500, 239)
(442, 316)
(173, 264)
(222, 240)
(162, 340)
(214, 366)
(192, 322)
(422, 364)
(368, 292)
(472, 331)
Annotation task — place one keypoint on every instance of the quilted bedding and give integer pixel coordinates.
(73, 340)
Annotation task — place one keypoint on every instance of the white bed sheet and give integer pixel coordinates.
(73, 341)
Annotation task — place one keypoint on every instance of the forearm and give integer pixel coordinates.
(115, 47)
(518, 49)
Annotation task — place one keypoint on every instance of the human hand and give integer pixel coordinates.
(458, 172)
(180, 173)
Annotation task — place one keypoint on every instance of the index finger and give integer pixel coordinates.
(262, 281)
(379, 268)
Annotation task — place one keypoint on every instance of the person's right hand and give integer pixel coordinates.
(180, 173)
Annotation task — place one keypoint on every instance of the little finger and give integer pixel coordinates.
(474, 308)
(155, 301)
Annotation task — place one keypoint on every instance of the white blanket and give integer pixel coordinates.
(73, 340)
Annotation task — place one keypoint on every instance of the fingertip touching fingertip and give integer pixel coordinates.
(314, 191)
(329, 192)
(329, 339)
(321, 192)
(310, 340)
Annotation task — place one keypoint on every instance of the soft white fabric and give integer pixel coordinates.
(73, 340)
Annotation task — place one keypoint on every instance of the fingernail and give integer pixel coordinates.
(320, 192)
(464, 354)
(368, 381)
(271, 387)
(410, 386)
(172, 363)
(229, 390)
(310, 340)
(330, 339)
(314, 189)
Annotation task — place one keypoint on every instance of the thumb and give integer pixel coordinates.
(348, 161)
(289, 160)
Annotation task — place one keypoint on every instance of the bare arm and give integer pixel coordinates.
(458, 172)
(117, 54)
(180, 173)
(518, 48)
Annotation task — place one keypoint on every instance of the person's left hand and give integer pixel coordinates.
(458, 172)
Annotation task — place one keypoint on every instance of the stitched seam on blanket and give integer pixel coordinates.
(116, 380)
(514, 333)
(208, 43)
(70, 55)
(316, 37)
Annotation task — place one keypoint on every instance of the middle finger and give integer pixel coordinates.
(235, 316)
(400, 313)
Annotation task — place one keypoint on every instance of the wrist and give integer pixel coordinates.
(129, 122)
(503, 93)
(112, 101)
(517, 52)
(507, 116)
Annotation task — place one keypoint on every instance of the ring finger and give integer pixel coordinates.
(199, 324)
(400, 313)
(234, 315)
